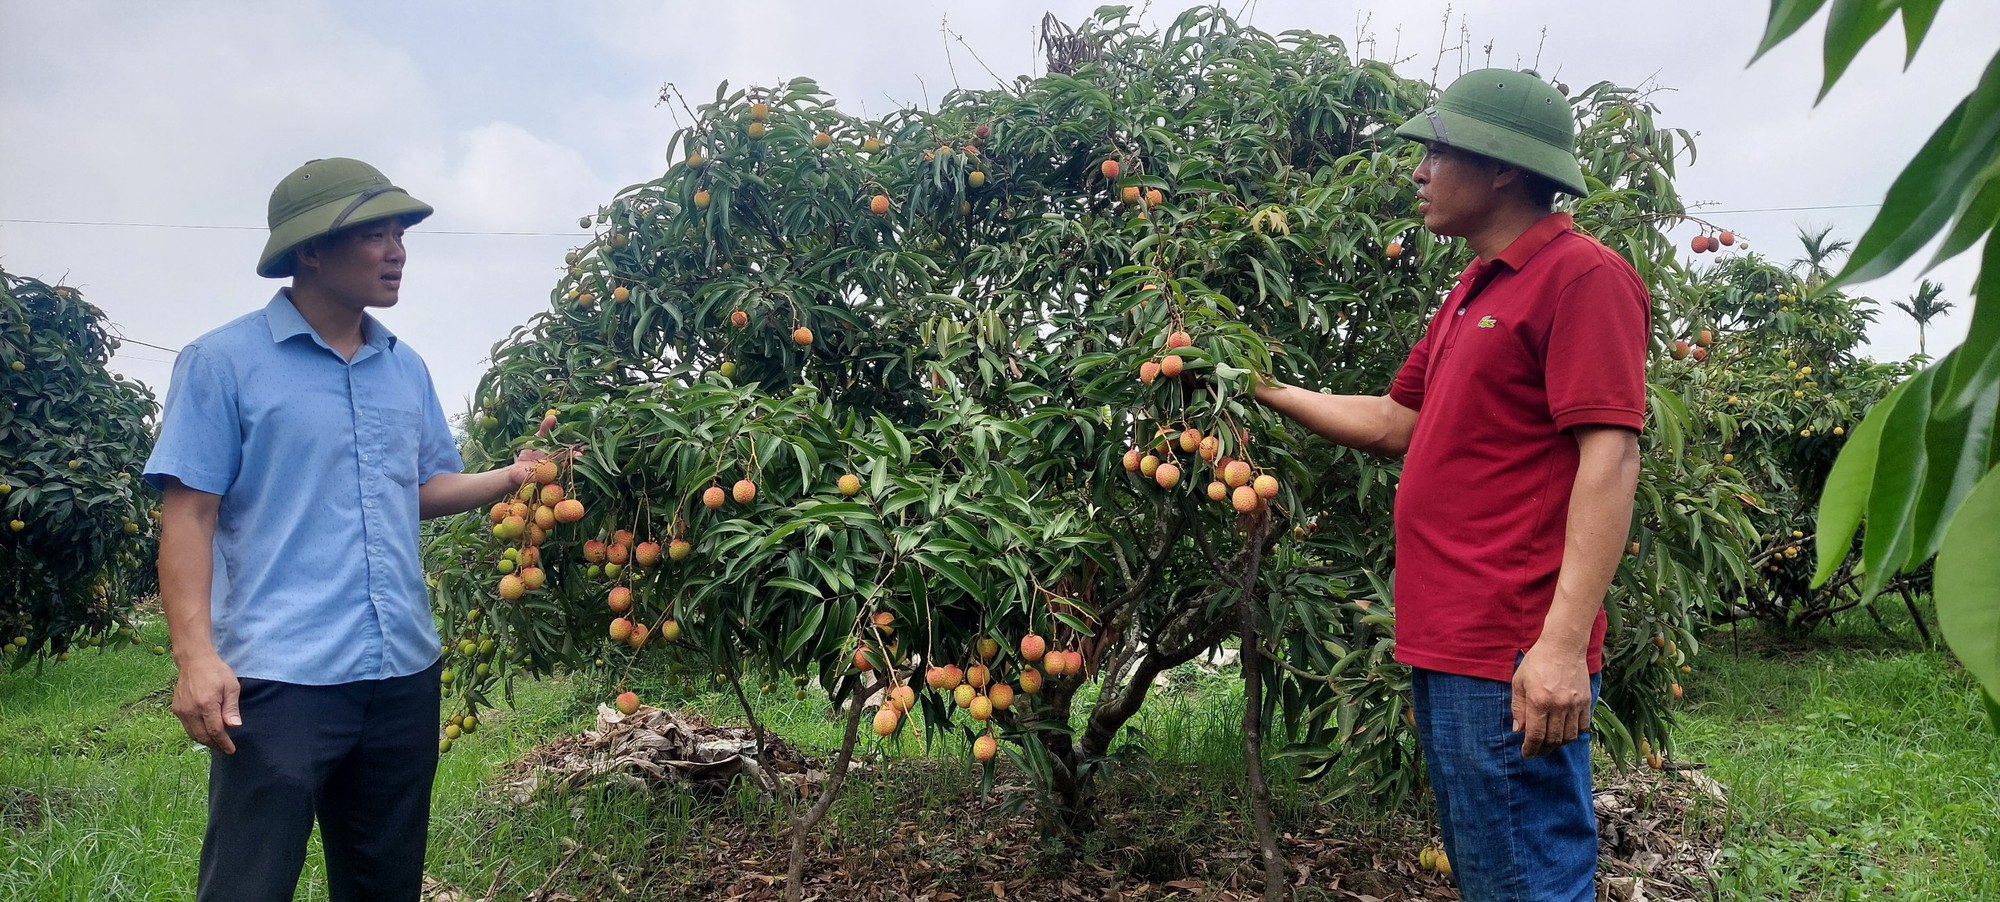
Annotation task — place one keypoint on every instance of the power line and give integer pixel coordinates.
(232, 228)
(1790, 209)
(148, 344)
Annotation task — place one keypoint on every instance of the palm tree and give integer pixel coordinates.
(1923, 307)
(1819, 251)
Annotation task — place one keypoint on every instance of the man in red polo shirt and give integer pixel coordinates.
(1517, 416)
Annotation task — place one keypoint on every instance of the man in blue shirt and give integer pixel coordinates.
(299, 447)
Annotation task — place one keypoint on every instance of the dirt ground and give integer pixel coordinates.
(1653, 848)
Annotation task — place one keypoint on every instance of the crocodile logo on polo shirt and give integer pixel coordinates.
(1487, 322)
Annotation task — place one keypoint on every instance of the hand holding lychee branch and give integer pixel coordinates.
(539, 466)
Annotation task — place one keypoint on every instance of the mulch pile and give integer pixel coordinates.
(1653, 846)
(650, 747)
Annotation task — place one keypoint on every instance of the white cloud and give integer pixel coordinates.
(501, 177)
(465, 292)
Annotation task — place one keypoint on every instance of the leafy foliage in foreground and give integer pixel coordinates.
(1924, 469)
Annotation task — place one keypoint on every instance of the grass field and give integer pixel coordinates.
(1854, 772)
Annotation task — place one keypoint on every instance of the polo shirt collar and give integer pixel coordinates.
(286, 322)
(1534, 239)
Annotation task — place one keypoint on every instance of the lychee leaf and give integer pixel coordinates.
(950, 571)
(786, 582)
(1893, 485)
(1967, 584)
(1073, 622)
(1955, 447)
(1979, 354)
(1849, 27)
(1927, 194)
(807, 629)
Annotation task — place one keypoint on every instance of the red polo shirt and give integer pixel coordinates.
(1547, 336)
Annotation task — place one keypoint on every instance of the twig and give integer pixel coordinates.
(541, 893)
(975, 58)
(944, 31)
(1916, 619)
(493, 889)
(1443, 32)
(763, 739)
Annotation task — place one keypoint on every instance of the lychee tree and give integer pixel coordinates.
(1767, 361)
(77, 527)
(960, 399)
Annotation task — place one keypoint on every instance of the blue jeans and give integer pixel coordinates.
(1516, 829)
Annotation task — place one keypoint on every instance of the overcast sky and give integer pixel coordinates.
(521, 115)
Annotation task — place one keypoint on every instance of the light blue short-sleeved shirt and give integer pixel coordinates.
(318, 460)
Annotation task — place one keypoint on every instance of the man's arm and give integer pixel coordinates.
(1372, 423)
(455, 493)
(1552, 684)
(206, 693)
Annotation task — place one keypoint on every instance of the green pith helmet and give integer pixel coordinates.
(1510, 116)
(325, 196)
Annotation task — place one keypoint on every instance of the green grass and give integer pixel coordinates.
(103, 797)
(1854, 772)
(95, 777)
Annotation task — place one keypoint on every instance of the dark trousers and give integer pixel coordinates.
(359, 757)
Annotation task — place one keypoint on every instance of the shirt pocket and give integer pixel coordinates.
(402, 442)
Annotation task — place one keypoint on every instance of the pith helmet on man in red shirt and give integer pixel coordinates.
(1513, 117)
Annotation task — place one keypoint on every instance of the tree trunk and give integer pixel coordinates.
(1070, 790)
(769, 783)
(1252, 660)
(1072, 795)
(804, 821)
(1917, 619)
